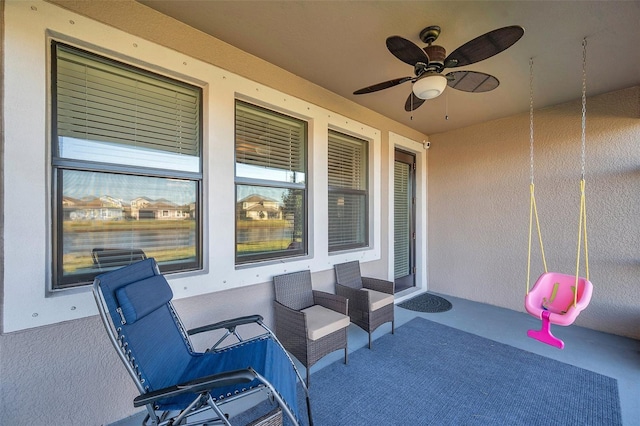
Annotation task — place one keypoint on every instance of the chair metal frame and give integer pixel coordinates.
(293, 293)
(204, 386)
(349, 283)
(111, 258)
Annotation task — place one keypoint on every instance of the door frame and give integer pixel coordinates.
(421, 243)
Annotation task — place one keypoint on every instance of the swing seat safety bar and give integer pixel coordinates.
(554, 293)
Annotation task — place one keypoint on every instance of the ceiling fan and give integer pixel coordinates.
(428, 64)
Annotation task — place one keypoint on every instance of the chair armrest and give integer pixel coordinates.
(289, 322)
(229, 324)
(199, 385)
(331, 301)
(376, 284)
(358, 298)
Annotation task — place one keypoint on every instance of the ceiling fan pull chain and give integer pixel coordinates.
(446, 106)
(411, 97)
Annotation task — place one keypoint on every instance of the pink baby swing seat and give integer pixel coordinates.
(552, 300)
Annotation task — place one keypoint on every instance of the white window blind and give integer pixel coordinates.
(347, 162)
(110, 103)
(268, 145)
(347, 175)
(401, 219)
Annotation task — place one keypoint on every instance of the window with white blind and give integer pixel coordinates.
(126, 167)
(271, 191)
(348, 192)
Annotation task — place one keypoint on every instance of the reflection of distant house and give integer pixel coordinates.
(257, 207)
(162, 209)
(92, 208)
(109, 208)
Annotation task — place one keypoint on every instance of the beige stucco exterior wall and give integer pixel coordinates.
(479, 207)
(67, 373)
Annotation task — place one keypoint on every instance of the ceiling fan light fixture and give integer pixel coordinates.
(430, 86)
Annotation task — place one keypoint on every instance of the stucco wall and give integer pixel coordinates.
(66, 372)
(479, 207)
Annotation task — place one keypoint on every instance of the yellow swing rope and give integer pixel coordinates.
(582, 228)
(533, 211)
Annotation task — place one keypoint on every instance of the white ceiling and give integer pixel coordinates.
(340, 45)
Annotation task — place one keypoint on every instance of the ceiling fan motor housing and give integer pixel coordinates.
(437, 55)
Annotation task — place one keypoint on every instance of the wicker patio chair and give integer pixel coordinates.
(309, 323)
(371, 300)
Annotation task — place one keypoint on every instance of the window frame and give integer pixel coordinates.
(59, 164)
(350, 191)
(281, 255)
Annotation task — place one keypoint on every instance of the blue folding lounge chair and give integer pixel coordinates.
(176, 384)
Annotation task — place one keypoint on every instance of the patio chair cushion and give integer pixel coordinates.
(377, 299)
(322, 321)
(143, 297)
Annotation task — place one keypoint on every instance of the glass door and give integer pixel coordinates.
(404, 191)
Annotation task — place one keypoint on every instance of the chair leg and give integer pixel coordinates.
(393, 327)
(346, 356)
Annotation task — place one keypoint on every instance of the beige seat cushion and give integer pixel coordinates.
(322, 321)
(377, 299)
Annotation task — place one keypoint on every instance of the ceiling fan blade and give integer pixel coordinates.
(406, 51)
(413, 102)
(484, 46)
(383, 85)
(471, 81)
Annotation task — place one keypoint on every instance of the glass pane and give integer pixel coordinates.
(269, 145)
(347, 161)
(100, 151)
(269, 223)
(108, 112)
(347, 220)
(107, 218)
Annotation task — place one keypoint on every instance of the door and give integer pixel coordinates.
(404, 220)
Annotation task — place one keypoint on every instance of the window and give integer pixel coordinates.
(271, 196)
(348, 204)
(126, 167)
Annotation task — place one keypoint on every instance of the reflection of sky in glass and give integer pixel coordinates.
(268, 173)
(78, 184)
(118, 153)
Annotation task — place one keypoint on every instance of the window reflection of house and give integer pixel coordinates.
(92, 208)
(258, 207)
(109, 208)
(145, 208)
